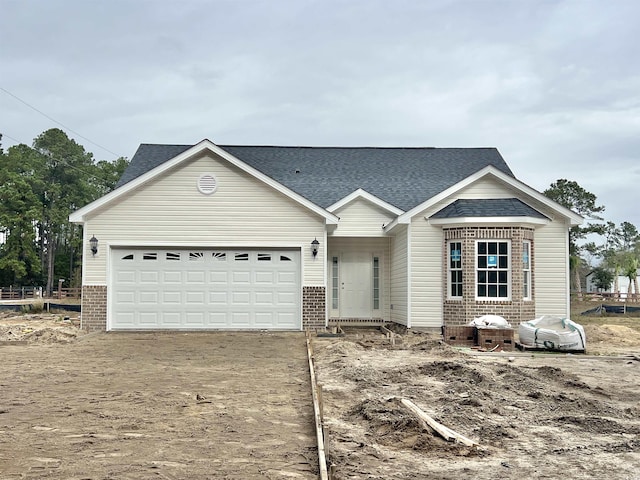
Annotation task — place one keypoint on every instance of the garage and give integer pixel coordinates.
(205, 288)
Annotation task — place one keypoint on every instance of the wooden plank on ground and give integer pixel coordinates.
(444, 432)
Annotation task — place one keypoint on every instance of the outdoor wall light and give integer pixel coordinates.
(93, 241)
(314, 247)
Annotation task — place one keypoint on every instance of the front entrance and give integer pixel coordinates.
(356, 285)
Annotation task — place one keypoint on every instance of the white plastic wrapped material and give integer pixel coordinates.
(490, 321)
(553, 333)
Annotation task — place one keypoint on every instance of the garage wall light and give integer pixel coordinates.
(314, 247)
(93, 241)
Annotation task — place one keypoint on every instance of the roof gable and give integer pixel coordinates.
(399, 177)
(201, 148)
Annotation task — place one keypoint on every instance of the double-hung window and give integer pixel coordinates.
(455, 270)
(492, 269)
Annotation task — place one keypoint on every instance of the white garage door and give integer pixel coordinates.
(205, 289)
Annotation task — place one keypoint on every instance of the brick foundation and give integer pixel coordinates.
(462, 311)
(94, 308)
(313, 307)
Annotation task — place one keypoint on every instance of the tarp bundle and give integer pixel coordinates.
(553, 333)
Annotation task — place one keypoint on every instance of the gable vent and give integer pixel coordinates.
(207, 183)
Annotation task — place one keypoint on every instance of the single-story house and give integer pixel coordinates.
(263, 237)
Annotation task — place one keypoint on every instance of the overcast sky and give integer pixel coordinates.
(554, 85)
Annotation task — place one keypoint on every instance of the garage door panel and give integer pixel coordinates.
(172, 298)
(265, 278)
(147, 276)
(241, 319)
(147, 296)
(219, 277)
(241, 278)
(149, 318)
(218, 298)
(171, 277)
(195, 277)
(171, 319)
(126, 297)
(286, 298)
(287, 278)
(240, 298)
(195, 298)
(126, 276)
(264, 298)
(264, 319)
(194, 319)
(201, 288)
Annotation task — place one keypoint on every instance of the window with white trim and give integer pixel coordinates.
(492, 269)
(454, 270)
(526, 270)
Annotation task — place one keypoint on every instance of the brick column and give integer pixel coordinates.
(313, 307)
(94, 308)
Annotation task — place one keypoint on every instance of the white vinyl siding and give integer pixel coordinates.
(361, 218)
(427, 265)
(377, 247)
(551, 270)
(399, 276)
(170, 211)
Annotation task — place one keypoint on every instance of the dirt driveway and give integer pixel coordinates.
(162, 406)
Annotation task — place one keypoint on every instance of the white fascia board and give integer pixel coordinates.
(360, 193)
(494, 221)
(79, 216)
(574, 218)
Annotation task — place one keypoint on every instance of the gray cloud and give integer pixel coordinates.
(555, 85)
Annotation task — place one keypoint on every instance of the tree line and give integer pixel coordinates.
(614, 253)
(40, 186)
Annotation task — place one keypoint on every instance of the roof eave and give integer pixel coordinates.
(494, 221)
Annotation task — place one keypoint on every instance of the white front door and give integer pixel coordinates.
(355, 285)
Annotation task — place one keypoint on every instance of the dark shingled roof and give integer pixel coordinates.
(403, 177)
(492, 207)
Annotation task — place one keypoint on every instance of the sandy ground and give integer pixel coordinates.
(170, 406)
(533, 415)
(160, 406)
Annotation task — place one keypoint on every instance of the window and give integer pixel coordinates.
(492, 269)
(334, 283)
(526, 270)
(241, 257)
(376, 283)
(150, 256)
(196, 256)
(455, 269)
(264, 257)
(172, 256)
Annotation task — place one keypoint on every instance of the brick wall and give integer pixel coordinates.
(94, 308)
(515, 310)
(313, 307)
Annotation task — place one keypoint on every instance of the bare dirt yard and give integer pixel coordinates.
(534, 415)
(238, 406)
(145, 405)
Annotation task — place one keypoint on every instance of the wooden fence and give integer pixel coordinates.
(22, 293)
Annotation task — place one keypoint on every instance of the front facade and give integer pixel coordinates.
(207, 237)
